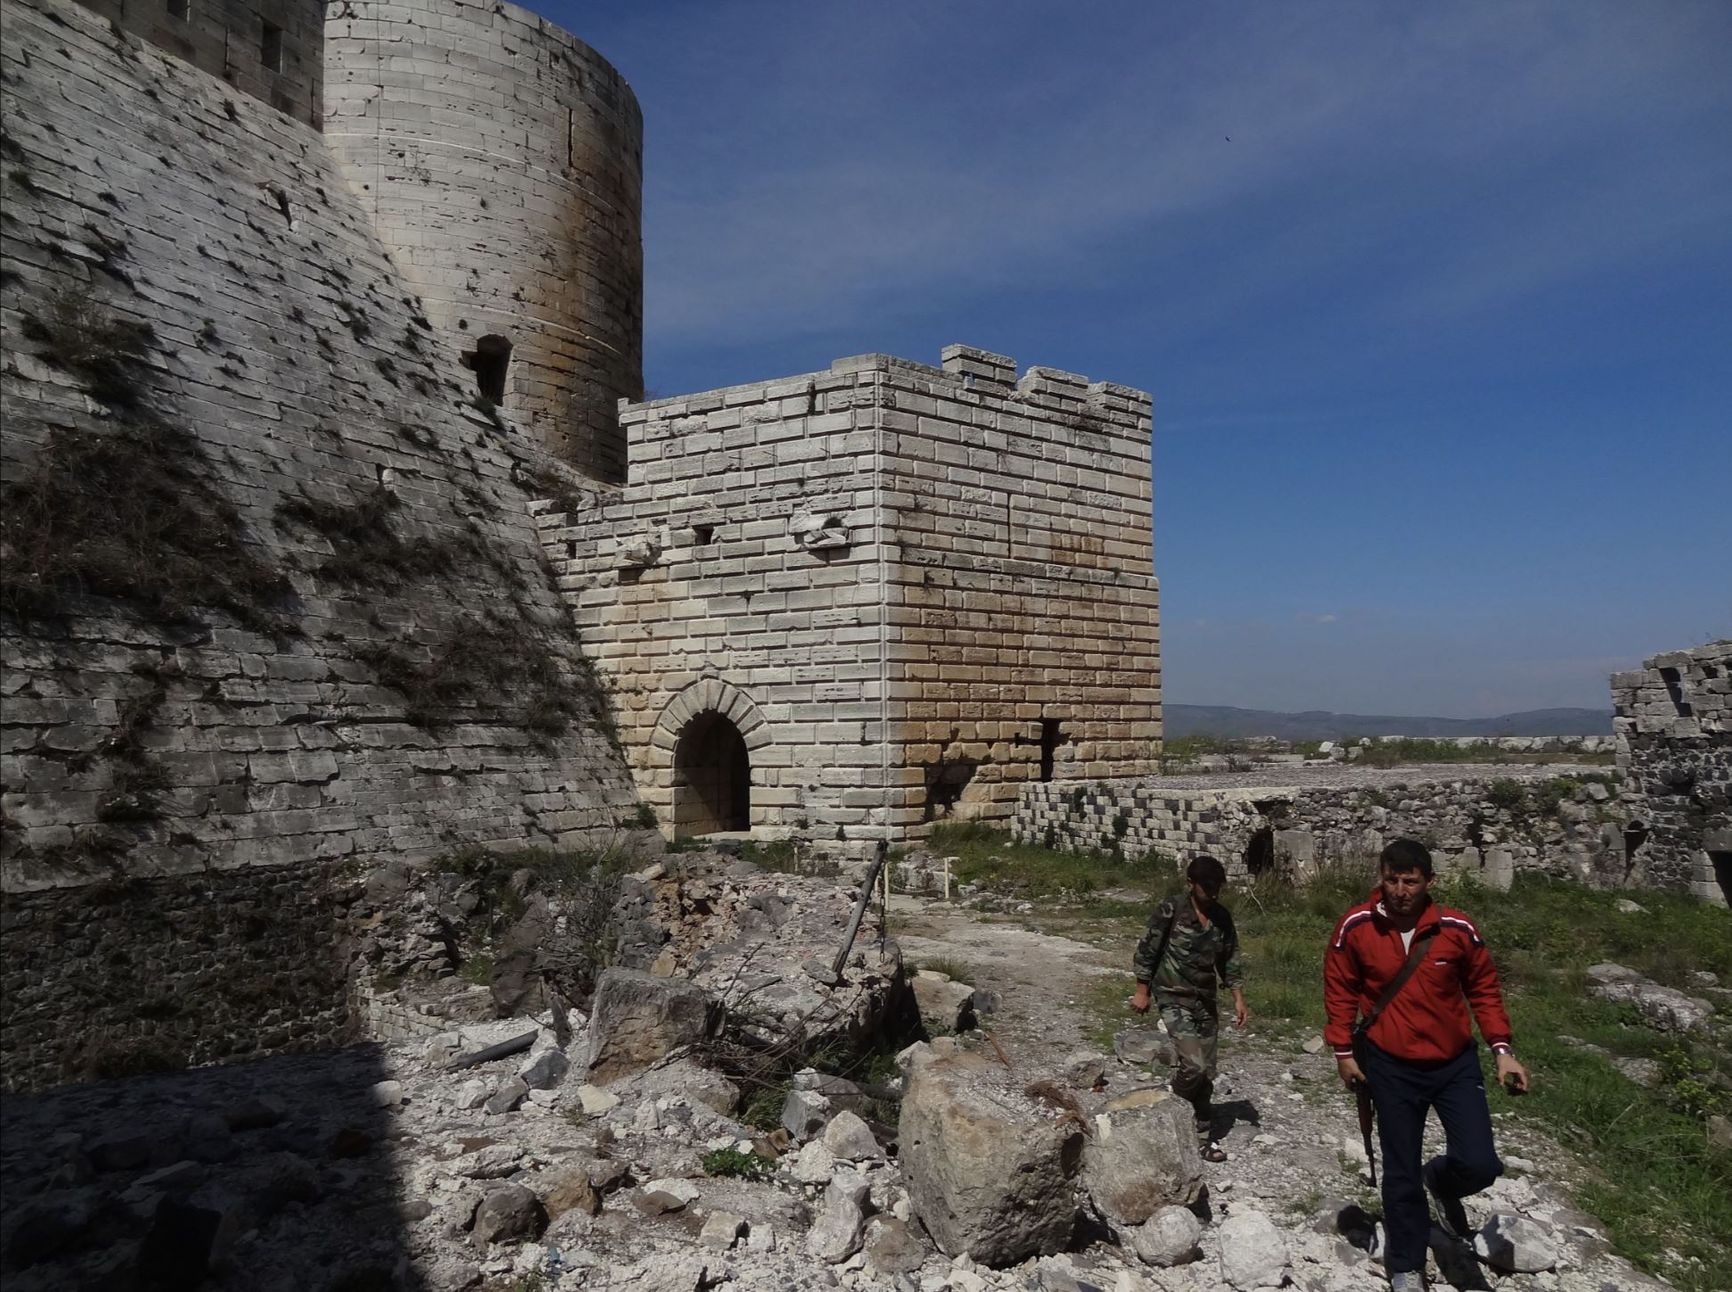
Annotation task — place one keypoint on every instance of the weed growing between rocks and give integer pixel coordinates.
(732, 1164)
(368, 550)
(77, 335)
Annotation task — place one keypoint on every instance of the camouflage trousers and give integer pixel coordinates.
(1194, 1025)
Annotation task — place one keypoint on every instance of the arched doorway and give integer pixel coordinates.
(712, 778)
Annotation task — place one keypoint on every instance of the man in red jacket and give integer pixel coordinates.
(1419, 1052)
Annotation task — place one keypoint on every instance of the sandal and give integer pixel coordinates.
(1213, 1153)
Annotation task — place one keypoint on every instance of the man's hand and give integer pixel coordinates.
(1507, 1067)
(1140, 998)
(1241, 1011)
(1351, 1074)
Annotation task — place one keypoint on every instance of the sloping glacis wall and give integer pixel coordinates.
(273, 601)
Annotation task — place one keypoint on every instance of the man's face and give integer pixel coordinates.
(1404, 891)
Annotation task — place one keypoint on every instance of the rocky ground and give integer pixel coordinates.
(605, 1155)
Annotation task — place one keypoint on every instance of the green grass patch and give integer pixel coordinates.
(991, 859)
(732, 1164)
(949, 966)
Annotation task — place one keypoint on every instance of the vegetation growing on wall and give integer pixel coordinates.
(126, 510)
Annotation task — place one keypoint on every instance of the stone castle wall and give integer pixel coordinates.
(887, 576)
(501, 161)
(1673, 722)
(700, 592)
(1024, 622)
(271, 50)
(198, 312)
(1489, 822)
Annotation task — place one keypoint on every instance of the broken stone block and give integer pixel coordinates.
(187, 1241)
(893, 1246)
(1253, 1253)
(1141, 1046)
(568, 1189)
(1141, 1158)
(946, 1006)
(990, 1171)
(546, 1070)
(849, 1139)
(509, 1214)
(721, 1229)
(1516, 1244)
(1169, 1237)
(841, 1222)
(639, 1018)
(508, 1096)
(804, 1113)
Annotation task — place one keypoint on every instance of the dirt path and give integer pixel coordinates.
(1288, 1129)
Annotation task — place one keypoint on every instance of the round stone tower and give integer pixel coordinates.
(502, 162)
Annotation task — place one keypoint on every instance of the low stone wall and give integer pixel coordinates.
(143, 975)
(1565, 822)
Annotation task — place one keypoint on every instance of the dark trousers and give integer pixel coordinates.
(1402, 1093)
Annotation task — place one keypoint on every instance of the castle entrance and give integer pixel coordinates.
(712, 778)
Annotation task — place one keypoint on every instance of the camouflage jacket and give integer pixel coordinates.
(1195, 955)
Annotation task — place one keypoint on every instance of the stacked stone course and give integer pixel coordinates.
(1492, 823)
(1673, 722)
(270, 50)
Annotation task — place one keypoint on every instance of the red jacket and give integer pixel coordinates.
(1428, 1021)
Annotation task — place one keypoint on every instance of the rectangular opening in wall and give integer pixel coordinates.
(179, 10)
(271, 48)
(1675, 689)
(1051, 734)
(703, 535)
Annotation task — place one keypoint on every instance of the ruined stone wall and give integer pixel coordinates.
(1673, 722)
(272, 50)
(1024, 591)
(272, 596)
(501, 161)
(1492, 823)
(713, 583)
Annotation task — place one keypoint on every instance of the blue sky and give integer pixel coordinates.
(1435, 301)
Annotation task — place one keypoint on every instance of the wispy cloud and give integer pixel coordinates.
(844, 166)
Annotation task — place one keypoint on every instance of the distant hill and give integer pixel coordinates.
(1317, 724)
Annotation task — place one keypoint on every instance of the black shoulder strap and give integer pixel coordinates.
(1415, 953)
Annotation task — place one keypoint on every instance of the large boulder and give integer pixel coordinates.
(639, 1018)
(1142, 1157)
(990, 1169)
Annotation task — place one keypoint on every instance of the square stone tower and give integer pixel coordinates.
(852, 603)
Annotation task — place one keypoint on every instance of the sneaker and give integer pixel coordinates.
(1407, 1281)
(1451, 1215)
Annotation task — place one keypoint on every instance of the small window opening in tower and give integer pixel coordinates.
(271, 48)
(179, 10)
(1675, 689)
(1051, 734)
(570, 137)
(703, 535)
(489, 361)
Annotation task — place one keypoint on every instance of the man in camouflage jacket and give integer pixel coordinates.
(1190, 946)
